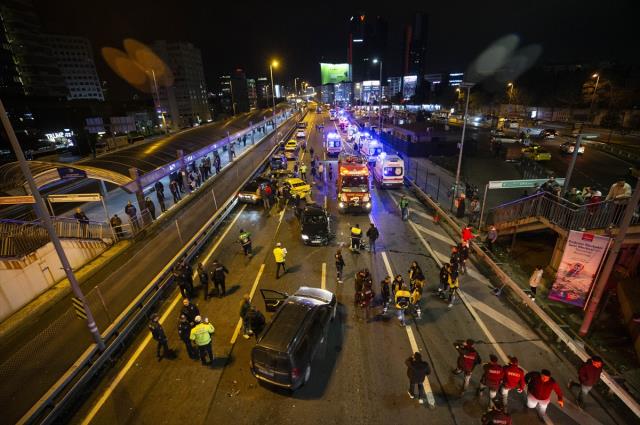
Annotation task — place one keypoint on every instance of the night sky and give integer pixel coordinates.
(244, 35)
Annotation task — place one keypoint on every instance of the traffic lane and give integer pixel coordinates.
(158, 392)
(593, 167)
(119, 283)
(508, 331)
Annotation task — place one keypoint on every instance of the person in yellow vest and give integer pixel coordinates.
(403, 299)
(356, 236)
(201, 335)
(279, 253)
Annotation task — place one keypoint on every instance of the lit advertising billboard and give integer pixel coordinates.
(332, 73)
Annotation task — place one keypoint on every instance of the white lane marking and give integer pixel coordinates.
(434, 234)
(413, 210)
(506, 321)
(444, 258)
(411, 198)
(323, 281)
(253, 291)
(280, 219)
(325, 202)
(107, 393)
(412, 340)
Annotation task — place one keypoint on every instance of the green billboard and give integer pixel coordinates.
(334, 72)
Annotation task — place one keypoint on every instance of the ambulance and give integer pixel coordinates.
(370, 149)
(388, 171)
(333, 144)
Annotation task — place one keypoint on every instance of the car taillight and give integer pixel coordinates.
(295, 373)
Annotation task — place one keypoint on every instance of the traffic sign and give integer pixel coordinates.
(14, 200)
(519, 184)
(78, 306)
(75, 197)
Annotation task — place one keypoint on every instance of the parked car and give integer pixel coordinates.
(285, 351)
(569, 147)
(250, 192)
(314, 225)
(297, 187)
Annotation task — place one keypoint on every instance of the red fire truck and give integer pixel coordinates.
(353, 184)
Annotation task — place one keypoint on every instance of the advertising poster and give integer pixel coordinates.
(333, 73)
(579, 267)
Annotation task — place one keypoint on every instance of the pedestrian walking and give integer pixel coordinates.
(245, 305)
(160, 197)
(339, 265)
(497, 415)
(460, 204)
(190, 311)
(463, 254)
(417, 371)
(588, 376)
(513, 379)
(303, 172)
(218, 275)
(175, 191)
(320, 171)
(256, 321)
(280, 254)
(474, 209)
(201, 336)
(159, 187)
(330, 172)
(217, 162)
(539, 388)
(184, 332)
(404, 208)
(83, 220)
(245, 241)
(265, 194)
(385, 291)
(116, 224)
(204, 280)
(468, 359)
(534, 281)
(492, 237)
(157, 333)
(444, 280)
(372, 234)
(132, 212)
(491, 378)
(402, 299)
(366, 297)
(150, 207)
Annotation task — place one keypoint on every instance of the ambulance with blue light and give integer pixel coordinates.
(388, 172)
(333, 144)
(370, 148)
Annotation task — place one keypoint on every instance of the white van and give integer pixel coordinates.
(388, 171)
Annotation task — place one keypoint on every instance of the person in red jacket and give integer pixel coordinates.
(540, 386)
(513, 378)
(468, 359)
(467, 234)
(589, 375)
(491, 378)
(497, 415)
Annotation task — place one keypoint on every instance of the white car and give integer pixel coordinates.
(300, 134)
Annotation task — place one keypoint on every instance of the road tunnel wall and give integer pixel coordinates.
(22, 280)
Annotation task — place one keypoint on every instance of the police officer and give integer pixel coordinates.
(218, 277)
(356, 237)
(184, 331)
(279, 255)
(245, 240)
(372, 234)
(158, 334)
(201, 335)
(190, 311)
(468, 359)
(404, 208)
(204, 280)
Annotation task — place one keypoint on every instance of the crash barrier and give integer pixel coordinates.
(507, 281)
(559, 211)
(19, 238)
(73, 383)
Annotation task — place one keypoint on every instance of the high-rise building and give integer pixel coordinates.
(225, 93)
(415, 47)
(252, 93)
(75, 61)
(189, 87)
(34, 65)
(263, 92)
(239, 90)
(10, 82)
(393, 87)
(367, 41)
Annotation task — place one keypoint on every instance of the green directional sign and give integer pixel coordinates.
(519, 184)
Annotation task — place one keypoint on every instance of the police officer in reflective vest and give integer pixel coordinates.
(356, 236)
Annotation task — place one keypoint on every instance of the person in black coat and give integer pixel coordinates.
(190, 311)
(184, 331)
(417, 370)
(256, 321)
(158, 334)
(218, 277)
(204, 280)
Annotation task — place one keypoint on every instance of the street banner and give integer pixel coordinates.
(581, 260)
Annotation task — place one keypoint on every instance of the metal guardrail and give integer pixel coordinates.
(19, 238)
(562, 213)
(506, 280)
(67, 388)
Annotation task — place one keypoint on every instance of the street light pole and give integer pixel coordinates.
(273, 93)
(572, 164)
(41, 211)
(379, 96)
(464, 128)
(593, 96)
(510, 85)
(605, 273)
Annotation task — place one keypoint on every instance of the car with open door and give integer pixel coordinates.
(284, 353)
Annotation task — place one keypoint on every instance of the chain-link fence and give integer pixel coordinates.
(436, 182)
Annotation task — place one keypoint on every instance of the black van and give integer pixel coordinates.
(285, 351)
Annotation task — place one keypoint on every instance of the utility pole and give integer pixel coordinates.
(41, 211)
(464, 128)
(605, 273)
